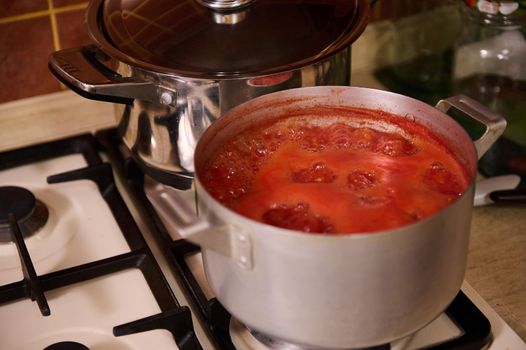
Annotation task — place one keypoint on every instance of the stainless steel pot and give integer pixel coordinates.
(179, 66)
(335, 292)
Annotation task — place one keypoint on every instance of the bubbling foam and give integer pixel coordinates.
(355, 172)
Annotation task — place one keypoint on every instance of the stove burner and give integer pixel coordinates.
(30, 213)
(66, 345)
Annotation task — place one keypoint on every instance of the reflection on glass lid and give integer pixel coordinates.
(264, 36)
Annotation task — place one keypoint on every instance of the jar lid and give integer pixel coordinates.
(225, 38)
(499, 7)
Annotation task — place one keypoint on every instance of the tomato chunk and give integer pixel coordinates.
(360, 179)
(442, 180)
(297, 217)
(319, 173)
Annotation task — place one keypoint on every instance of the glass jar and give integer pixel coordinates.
(490, 66)
(420, 54)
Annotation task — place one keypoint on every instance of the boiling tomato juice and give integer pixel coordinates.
(335, 176)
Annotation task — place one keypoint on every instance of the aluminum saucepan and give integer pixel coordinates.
(177, 67)
(340, 291)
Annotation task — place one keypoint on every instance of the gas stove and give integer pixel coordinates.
(85, 278)
(86, 262)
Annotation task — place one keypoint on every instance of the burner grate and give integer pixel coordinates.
(215, 317)
(31, 283)
(173, 317)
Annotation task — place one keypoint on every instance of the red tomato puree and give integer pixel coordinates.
(335, 177)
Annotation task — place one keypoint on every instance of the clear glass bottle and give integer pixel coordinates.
(490, 66)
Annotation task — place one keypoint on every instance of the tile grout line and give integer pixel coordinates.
(54, 31)
(24, 16)
(54, 28)
(43, 13)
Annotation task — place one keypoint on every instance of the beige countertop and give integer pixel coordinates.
(53, 116)
(497, 256)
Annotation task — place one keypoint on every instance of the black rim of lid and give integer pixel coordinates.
(95, 22)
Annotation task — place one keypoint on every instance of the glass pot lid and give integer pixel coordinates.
(225, 38)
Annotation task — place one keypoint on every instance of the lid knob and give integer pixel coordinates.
(224, 4)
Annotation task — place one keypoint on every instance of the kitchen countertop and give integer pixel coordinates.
(497, 255)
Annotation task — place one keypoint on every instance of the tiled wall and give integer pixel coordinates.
(29, 31)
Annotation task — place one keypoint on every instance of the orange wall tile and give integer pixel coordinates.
(30, 30)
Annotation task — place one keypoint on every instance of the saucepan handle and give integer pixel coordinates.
(82, 69)
(494, 122)
(180, 219)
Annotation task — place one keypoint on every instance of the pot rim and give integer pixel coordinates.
(94, 21)
(470, 153)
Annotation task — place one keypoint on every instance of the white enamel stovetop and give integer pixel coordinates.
(80, 229)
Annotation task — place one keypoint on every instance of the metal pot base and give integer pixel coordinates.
(244, 337)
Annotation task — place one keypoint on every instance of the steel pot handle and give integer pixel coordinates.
(180, 219)
(494, 122)
(82, 70)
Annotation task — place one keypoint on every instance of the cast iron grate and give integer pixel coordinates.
(475, 327)
(173, 317)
